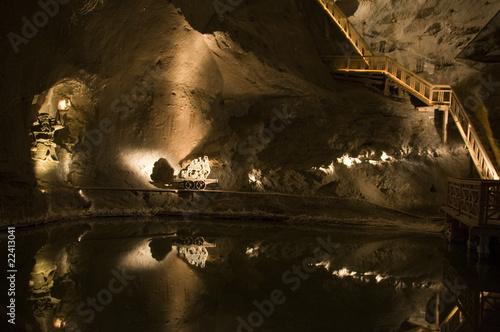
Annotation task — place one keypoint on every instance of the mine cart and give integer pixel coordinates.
(194, 176)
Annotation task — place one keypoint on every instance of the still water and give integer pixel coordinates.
(164, 274)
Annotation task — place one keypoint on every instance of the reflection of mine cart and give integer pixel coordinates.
(43, 133)
(194, 176)
(194, 250)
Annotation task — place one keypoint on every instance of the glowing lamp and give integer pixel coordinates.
(64, 104)
(59, 322)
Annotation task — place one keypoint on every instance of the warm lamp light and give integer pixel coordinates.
(64, 104)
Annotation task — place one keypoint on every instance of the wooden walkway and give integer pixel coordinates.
(476, 291)
(473, 206)
(473, 213)
(441, 97)
(476, 203)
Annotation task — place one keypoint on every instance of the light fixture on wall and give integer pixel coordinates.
(64, 104)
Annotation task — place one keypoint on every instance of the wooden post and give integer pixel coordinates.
(483, 203)
(445, 125)
(386, 87)
(400, 92)
(483, 249)
(472, 167)
(470, 244)
(438, 299)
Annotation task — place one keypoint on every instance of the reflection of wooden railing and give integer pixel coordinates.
(346, 27)
(441, 96)
(452, 322)
(476, 200)
(490, 306)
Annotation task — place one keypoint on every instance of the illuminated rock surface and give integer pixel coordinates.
(168, 79)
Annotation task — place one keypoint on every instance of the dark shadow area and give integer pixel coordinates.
(416, 102)
(485, 47)
(160, 248)
(349, 7)
(111, 283)
(163, 173)
(454, 137)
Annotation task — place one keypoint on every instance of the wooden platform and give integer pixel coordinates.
(473, 210)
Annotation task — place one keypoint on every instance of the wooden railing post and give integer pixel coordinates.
(483, 203)
(460, 198)
(445, 125)
(448, 194)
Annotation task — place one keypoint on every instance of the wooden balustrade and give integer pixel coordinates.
(476, 202)
(441, 96)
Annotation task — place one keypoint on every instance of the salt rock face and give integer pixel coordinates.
(173, 80)
(435, 31)
(486, 45)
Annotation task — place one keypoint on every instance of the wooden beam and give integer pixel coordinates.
(446, 115)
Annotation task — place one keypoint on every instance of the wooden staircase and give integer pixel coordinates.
(441, 97)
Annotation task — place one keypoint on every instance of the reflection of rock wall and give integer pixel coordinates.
(43, 303)
(41, 283)
(55, 286)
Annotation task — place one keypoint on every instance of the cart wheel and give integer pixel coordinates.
(189, 185)
(199, 241)
(188, 241)
(200, 185)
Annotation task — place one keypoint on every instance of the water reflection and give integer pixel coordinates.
(193, 250)
(160, 248)
(164, 275)
(470, 298)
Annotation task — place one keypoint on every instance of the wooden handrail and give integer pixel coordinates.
(431, 94)
(346, 27)
(472, 140)
(473, 182)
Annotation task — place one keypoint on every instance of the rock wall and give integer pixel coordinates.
(175, 80)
